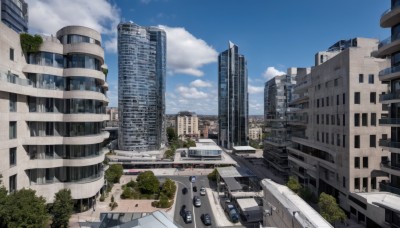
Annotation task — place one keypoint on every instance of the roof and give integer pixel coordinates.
(243, 148)
(248, 204)
(231, 171)
(205, 147)
(293, 203)
(206, 141)
(383, 199)
(233, 185)
(157, 219)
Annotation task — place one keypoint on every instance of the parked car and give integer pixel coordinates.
(184, 191)
(195, 188)
(196, 201)
(202, 191)
(206, 219)
(232, 212)
(183, 210)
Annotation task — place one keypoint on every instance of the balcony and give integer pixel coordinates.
(391, 168)
(387, 187)
(392, 146)
(277, 141)
(389, 122)
(388, 46)
(389, 98)
(389, 73)
(390, 17)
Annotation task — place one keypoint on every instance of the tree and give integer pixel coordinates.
(169, 188)
(329, 208)
(189, 143)
(148, 183)
(293, 184)
(213, 175)
(62, 208)
(114, 173)
(3, 210)
(24, 209)
(171, 135)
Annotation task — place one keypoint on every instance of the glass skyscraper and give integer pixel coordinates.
(233, 105)
(141, 87)
(14, 13)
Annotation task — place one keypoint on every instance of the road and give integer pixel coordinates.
(187, 199)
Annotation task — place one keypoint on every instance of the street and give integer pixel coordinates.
(187, 199)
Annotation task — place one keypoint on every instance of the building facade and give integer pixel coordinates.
(338, 152)
(233, 104)
(53, 104)
(14, 13)
(187, 125)
(141, 87)
(255, 133)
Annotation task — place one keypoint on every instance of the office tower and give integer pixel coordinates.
(52, 110)
(337, 152)
(141, 87)
(278, 93)
(187, 125)
(233, 105)
(14, 13)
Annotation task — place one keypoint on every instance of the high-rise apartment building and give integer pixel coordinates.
(233, 105)
(278, 93)
(187, 124)
(14, 13)
(337, 151)
(141, 87)
(52, 108)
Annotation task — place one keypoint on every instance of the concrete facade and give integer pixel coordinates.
(187, 125)
(52, 104)
(337, 152)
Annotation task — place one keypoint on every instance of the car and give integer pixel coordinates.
(192, 179)
(202, 191)
(196, 201)
(206, 219)
(184, 191)
(188, 217)
(194, 188)
(232, 212)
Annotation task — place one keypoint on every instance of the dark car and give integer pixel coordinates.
(194, 188)
(183, 210)
(184, 191)
(206, 219)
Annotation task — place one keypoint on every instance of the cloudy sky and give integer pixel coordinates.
(273, 35)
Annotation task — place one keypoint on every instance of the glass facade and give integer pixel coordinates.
(61, 61)
(14, 13)
(64, 151)
(67, 106)
(233, 103)
(74, 39)
(141, 87)
(64, 129)
(82, 61)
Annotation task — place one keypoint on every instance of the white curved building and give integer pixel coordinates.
(52, 111)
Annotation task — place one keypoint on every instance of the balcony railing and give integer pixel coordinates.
(389, 143)
(388, 40)
(389, 188)
(389, 121)
(389, 70)
(389, 165)
(276, 140)
(389, 96)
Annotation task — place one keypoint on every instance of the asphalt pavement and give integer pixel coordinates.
(187, 199)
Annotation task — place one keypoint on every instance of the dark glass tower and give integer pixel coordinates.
(233, 105)
(141, 87)
(14, 13)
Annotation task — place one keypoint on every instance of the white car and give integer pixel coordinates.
(202, 191)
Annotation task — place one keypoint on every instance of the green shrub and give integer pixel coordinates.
(30, 43)
(127, 193)
(113, 205)
(131, 184)
(213, 175)
(102, 197)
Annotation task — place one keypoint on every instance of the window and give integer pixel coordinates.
(344, 98)
(13, 130)
(337, 99)
(371, 79)
(357, 162)
(327, 119)
(365, 184)
(12, 54)
(344, 181)
(357, 98)
(13, 156)
(356, 119)
(361, 78)
(13, 102)
(317, 119)
(336, 82)
(356, 141)
(365, 119)
(373, 119)
(327, 137)
(322, 119)
(327, 101)
(344, 140)
(365, 162)
(317, 103)
(337, 140)
(333, 119)
(318, 136)
(323, 137)
(344, 120)
(337, 119)
(357, 183)
(322, 102)
(372, 141)
(332, 139)
(12, 183)
(372, 97)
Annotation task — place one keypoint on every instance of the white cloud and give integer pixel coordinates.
(191, 93)
(100, 15)
(255, 89)
(200, 83)
(186, 53)
(271, 72)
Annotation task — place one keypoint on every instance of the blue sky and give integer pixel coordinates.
(272, 34)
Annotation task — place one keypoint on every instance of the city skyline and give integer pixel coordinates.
(265, 35)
